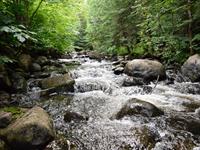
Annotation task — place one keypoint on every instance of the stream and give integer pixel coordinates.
(99, 95)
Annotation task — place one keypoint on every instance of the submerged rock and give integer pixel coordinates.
(73, 116)
(188, 123)
(33, 130)
(131, 81)
(191, 68)
(144, 68)
(147, 137)
(61, 81)
(138, 107)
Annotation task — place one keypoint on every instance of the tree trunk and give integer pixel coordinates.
(34, 13)
(190, 26)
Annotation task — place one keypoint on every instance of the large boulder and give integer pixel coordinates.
(61, 81)
(144, 68)
(191, 68)
(138, 107)
(25, 61)
(33, 130)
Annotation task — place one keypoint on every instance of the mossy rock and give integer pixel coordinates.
(34, 130)
(62, 81)
(15, 111)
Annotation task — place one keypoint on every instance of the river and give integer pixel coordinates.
(99, 95)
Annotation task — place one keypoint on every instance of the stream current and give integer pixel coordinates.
(99, 95)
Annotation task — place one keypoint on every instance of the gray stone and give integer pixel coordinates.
(138, 107)
(35, 67)
(61, 81)
(144, 68)
(34, 130)
(191, 68)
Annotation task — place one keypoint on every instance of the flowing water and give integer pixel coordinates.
(99, 95)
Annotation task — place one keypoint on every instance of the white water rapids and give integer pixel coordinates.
(99, 94)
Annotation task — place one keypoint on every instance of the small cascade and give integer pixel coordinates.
(99, 95)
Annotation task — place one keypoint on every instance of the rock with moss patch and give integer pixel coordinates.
(138, 107)
(25, 61)
(57, 82)
(34, 130)
(144, 68)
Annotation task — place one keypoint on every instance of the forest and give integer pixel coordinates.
(99, 75)
(166, 29)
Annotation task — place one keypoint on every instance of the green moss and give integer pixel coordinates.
(16, 111)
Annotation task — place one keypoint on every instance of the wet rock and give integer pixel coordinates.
(95, 55)
(25, 61)
(73, 116)
(37, 75)
(190, 88)
(49, 68)
(138, 107)
(132, 81)
(33, 130)
(42, 60)
(147, 137)
(187, 123)
(118, 70)
(61, 143)
(4, 98)
(191, 68)
(61, 81)
(35, 67)
(144, 68)
(19, 83)
(5, 119)
(66, 56)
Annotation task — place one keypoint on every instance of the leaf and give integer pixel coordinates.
(196, 37)
(20, 37)
(5, 29)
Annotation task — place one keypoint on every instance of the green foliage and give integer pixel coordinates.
(5, 59)
(166, 29)
(56, 23)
